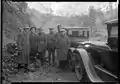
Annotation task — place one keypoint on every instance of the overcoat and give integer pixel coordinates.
(33, 41)
(23, 43)
(51, 41)
(41, 42)
(62, 44)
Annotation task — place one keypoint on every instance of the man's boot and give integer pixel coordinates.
(26, 68)
(53, 60)
(19, 66)
(49, 57)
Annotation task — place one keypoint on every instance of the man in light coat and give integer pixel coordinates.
(23, 43)
(62, 46)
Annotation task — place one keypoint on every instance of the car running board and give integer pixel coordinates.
(105, 71)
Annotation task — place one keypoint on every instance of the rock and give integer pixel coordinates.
(58, 79)
(31, 67)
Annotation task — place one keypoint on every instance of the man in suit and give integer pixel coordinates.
(33, 43)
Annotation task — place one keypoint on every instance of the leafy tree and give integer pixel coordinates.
(92, 15)
(14, 17)
(46, 8)
(111, 13)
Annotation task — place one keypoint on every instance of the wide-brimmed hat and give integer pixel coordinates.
(26, 27)
(32, 28)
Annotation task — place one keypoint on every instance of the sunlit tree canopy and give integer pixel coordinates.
(70, 8)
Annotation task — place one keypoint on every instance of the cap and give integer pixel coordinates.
(51, 28)
(26, 28)
(59, 26)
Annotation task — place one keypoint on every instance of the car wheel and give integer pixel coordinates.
(71, 61)
(79, 68)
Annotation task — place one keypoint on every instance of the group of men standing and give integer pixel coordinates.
(33, 41)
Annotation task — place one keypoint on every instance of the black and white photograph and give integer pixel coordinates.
(59, 41)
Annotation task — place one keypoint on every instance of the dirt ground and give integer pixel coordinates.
(45, 75)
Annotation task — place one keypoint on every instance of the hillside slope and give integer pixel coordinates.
(14, 17)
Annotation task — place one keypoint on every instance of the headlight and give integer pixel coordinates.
(87, 45)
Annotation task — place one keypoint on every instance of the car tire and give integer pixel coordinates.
(80, 69)
(71, 60)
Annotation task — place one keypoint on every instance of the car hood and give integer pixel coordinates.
(99, 43)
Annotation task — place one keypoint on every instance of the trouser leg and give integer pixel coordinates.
(62, 64)
(32, 54)
(49, 57)
(26, 67)
(19, 66)
(41, 57)
(53, 56)
(26, 60)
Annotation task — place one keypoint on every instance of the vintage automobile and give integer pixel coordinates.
(96, 61)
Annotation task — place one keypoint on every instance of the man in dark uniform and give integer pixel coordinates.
(41, 44)
(33, 43)
(51, 46)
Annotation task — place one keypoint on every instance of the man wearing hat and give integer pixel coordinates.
(33, 42)
(23, 43)
(20, 46)
(51, 40)
(62, 46)
(42, 42)
(59, 27)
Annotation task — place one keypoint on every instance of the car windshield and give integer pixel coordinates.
(114, 31)
(76, 33)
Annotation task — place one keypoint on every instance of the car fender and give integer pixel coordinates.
(88, 66)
